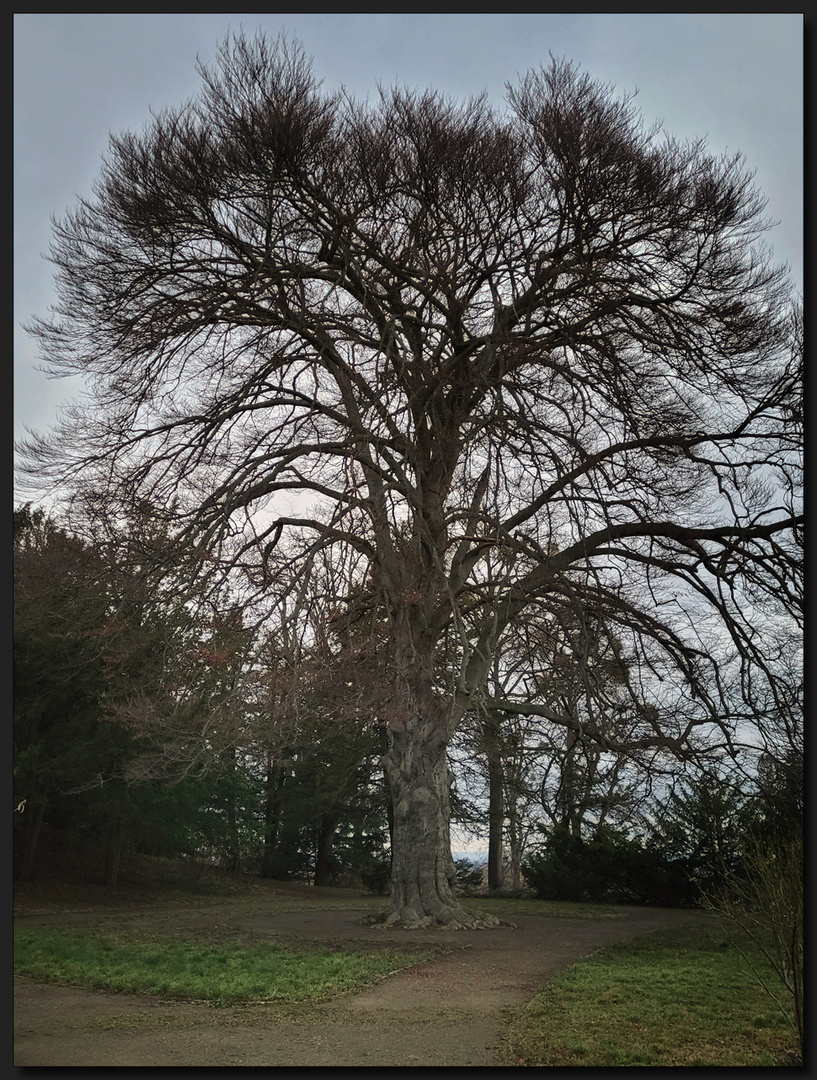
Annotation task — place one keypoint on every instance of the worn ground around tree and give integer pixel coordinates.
(444, 1012)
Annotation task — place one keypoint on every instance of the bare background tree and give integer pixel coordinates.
(490, 361)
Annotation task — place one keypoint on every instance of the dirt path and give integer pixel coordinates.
(445, 1012)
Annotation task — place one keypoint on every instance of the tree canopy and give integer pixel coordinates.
(493, 363)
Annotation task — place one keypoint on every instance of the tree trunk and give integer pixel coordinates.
(233, 834)
(270, 861)
(113, 853)
(423, 871)
(569, 802)
(496, 803)
(324, 863)
(496, 822)
(34, 816)
(516, 853)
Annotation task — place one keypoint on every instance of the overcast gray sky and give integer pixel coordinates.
(736, 79)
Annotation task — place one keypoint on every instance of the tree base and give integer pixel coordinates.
(454, 918)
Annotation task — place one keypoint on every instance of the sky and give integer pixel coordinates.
(735, 79)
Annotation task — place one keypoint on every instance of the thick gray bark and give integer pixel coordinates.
(423, 871)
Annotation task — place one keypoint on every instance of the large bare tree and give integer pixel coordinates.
(493, 359)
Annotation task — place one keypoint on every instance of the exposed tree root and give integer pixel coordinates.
(452, 919)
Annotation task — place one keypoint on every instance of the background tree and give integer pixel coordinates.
(318, 733)
(117, 682)
(778, 809)
(543, 775)
(331, 815)
(698, 825)
(60, 610)
(498, 360)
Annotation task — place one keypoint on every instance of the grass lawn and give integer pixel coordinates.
(676, 997)
(218, 973)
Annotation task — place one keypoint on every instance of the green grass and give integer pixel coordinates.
(679, 997)
(219, 973)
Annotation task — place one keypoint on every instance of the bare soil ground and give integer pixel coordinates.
(445, 1012)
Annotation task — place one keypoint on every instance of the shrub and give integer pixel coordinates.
(609, 868)
(375, 873)
(765, 905)
(470, 875)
